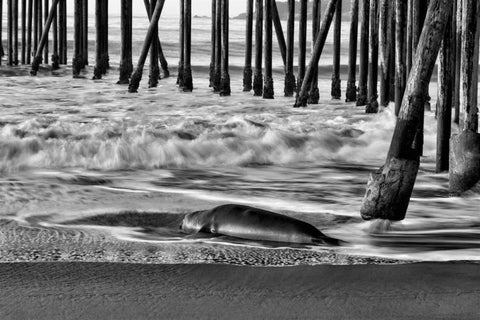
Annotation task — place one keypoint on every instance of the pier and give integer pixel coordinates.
(392, 56)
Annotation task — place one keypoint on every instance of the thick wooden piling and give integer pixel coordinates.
(182, 43)
(389, 189)
(84, 32)
(268, 80)
(15, 32)
(336, 92)
(154, 66)
(10, 32)
(187, 67)
(363, 68)
(446, 74)
(45, 16)
(2, 53)
(247, 70)
(409, 54)
(400, 51)
(301, 100)
(289, 75)
(137, 74)
(225, 76)
(55, 56)
(44, 39)
(100, 67)
(385, 9)
(77, 63)
(257, 76)
(35, 26)
(213, 38)
(314, 94)
(282, 45)
(302, 43)
(126, 65)
(372, 105)
(24, 32)
(351, 93)
(458, 39)
(218, 46)
(40, 22)
(62, 30)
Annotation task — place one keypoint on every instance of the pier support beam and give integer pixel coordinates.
(15, 32)
(101, 58)
(62, 30)
(314, 94)
(336, 91)
(2, 53)
(126, 65)
(247, 70)
(465, 147)
(257, 76)
(289, 75)
(385, 41)
(78, 60)
(277, 23)
(10, 32)
(268, 80)
(137, 74)
(389, 189)
(181, 61)
(372, 105)
(458, 39)
(154, 67)
(55, 56)
(24, 32)
(44, 39)
(302, 43)
(45, 15)
(363, 68)
(301, 100)
(351, 93)
(213, 38)
(85, 32)
(218, 46)
(400, 51)
(225, 77)
(187, 67)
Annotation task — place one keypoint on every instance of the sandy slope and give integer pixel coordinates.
(136, 291)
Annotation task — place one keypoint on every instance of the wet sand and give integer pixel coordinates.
(64, 290)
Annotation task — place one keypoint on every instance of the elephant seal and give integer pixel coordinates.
(255, 224)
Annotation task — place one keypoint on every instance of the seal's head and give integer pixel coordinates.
(192, 222)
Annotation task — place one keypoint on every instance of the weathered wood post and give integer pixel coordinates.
(77, 63)
(247, 70)
(314, 94)
(218, 46)
(10, 32)
(385, 8)
(45, 15)
(105, 36)
(302, 43)
(84, 32)
(257, 76)
(400, 58)
(137, 74)
(181, 61)
(213, 38)
(126, 65)
(464, 170)
(351, 93)
(40, 20)
(282, 45)
(2, 53)
(15, 32)
(268, 80)
(372, 105)
(55, 56)
(458, 39)
(187, 67)
(336, 92)
(363, 68)
(62, 27)
(289, 75)
(446, 74)
(225, 76)
(389, 189)
(410, 35)
(301, 99)
(35, 26)
(154, 67)
(44, 39)
(100, 63)
(24, 32)
(29, 30)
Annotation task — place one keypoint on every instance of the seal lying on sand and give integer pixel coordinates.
(254, 224)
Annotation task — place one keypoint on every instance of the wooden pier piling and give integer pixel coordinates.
(24, 32)
(77, 63)
(400, 51)
(101, 59)
(213, 38)
(257, 75)
(458, 39)
(268, 80)
(363, 63)
(45, 16)
(282, 45)
(302, 43)
(337, 27)
(137, 74)
(301, 99)
(10, 32)
(389, 189)
(55, 56)
(385, 41)
(218, 46)
(289, 75)
(181, 61)
(29, 31)
(225, 75)
(84, 32)
(314, 94)
(2, 53)
(126, 65)
(187, 67)
(372, 105)
(351, 92)
(62, 30)
(154, 66)
(15, 32)
(247, 69)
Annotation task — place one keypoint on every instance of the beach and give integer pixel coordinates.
(205, 291)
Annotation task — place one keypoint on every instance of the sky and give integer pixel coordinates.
(171, 8)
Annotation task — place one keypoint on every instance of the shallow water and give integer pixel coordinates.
(79, 154)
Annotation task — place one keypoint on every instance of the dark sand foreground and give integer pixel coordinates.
(136, 291)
